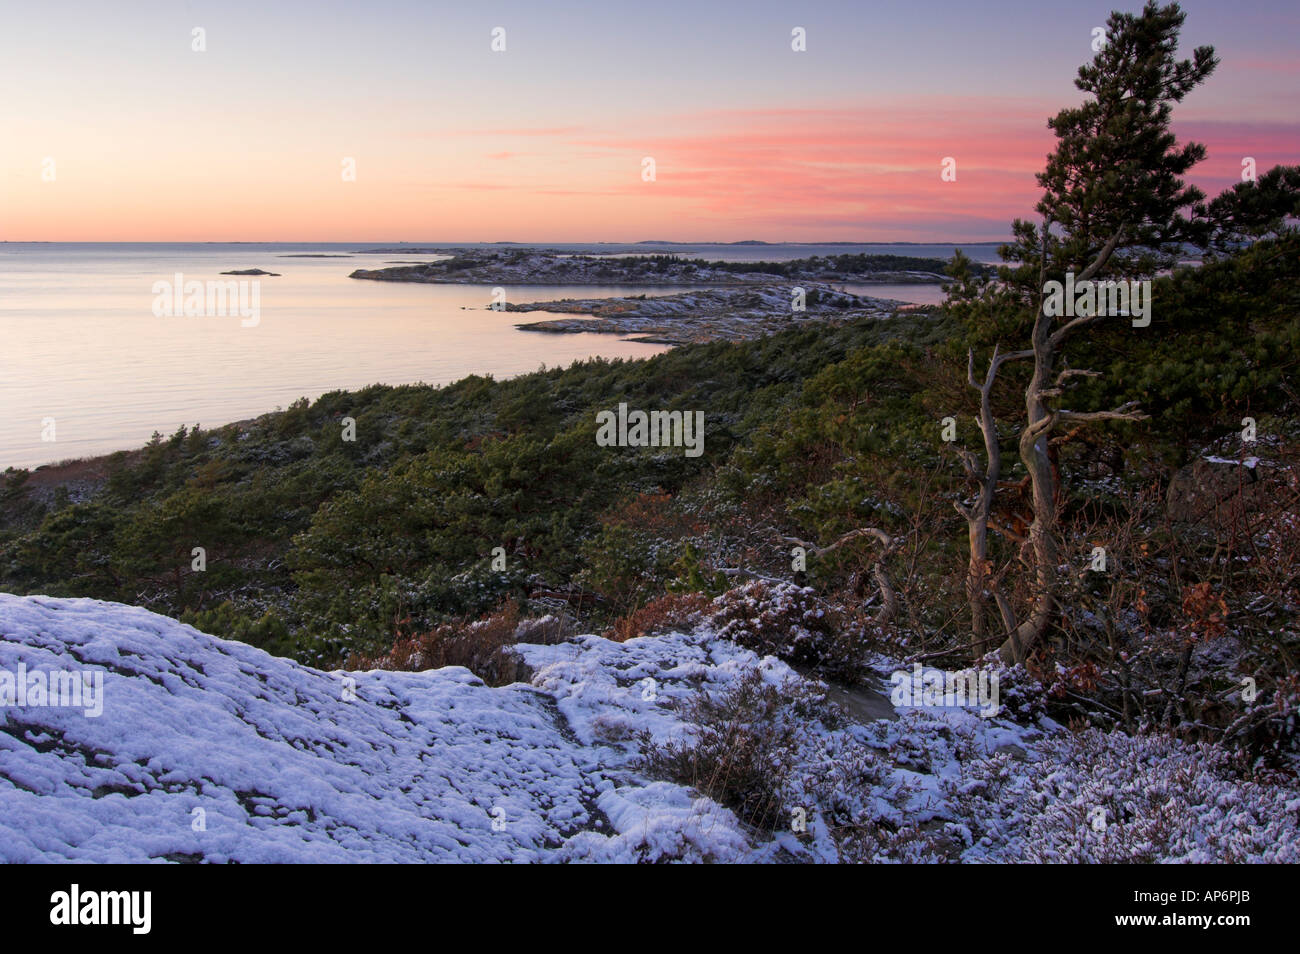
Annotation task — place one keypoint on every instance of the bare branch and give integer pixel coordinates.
(968, 461)
(1013, 356)
(889, 597)
(1125, 412)
(741, 571)
(1016, 538)
(1098, 263)
(996, 361)
(1033, 431)
(889, 605)
(1004, 608)
(885, 539)
(1068, 373)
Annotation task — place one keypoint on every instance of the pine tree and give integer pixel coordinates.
(1114, 206)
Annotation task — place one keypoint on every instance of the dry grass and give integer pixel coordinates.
(668, 613)
(481, 646)
(741, 755)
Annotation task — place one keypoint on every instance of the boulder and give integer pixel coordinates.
(1213, 489)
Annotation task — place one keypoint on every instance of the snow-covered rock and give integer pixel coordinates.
(207, 749)
(169, 744)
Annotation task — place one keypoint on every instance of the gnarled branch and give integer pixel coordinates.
(889, 597)
(1125, 412)
(885, 539)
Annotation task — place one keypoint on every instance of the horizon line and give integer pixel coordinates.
(1000, 241)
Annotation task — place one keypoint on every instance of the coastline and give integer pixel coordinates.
(316, 312)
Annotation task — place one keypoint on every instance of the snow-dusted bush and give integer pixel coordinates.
(783, 759)
(1099, 797)
(741, 752)
(789, 622)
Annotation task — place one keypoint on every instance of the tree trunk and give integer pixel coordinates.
(978, 582)
(1039, 421)
(1042, 482)
(975, 577)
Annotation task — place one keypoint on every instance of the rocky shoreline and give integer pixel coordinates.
(719, 314)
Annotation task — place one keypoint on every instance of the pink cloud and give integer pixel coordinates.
(864, 166)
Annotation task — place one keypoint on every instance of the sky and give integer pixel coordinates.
(113, 127)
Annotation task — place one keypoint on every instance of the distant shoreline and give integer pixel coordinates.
(413, 246)
(530, 266)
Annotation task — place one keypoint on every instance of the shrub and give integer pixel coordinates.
(773, 750)
(672, 611)
(793, 624)
(742, 751)
(231, 621)
(1099, 797)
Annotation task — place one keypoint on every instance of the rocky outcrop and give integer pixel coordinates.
(1214, 490)
(719, 314)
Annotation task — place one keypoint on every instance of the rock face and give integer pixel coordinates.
(1213, 489)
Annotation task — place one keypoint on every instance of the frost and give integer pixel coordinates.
(290, 763)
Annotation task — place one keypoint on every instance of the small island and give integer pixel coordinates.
(252, 271)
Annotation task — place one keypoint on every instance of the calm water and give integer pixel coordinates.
(82, 344)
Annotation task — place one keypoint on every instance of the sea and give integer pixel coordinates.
(88, 367)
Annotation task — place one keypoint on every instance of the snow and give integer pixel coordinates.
(284, 768)
(1249, 462)
(289, 763)
(1097, 798)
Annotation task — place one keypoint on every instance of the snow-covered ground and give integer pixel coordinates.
(212, 750)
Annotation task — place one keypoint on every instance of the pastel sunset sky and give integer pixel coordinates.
(152, 141)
